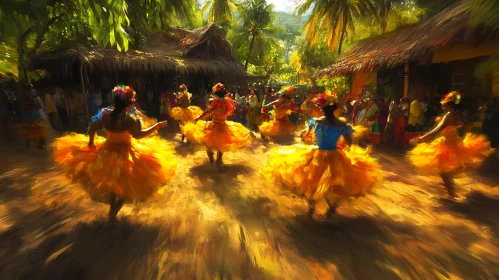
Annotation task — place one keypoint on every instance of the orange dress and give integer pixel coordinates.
(219, 134)
(280, 125)
(450, 153)
(131, 169)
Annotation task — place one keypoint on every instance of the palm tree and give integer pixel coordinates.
(257, 23)
(335, 18)
(220, 12)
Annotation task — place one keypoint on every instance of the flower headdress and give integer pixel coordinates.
(287, 91)
(182, 87)
(327, 98)
(217, 87)
(452, 96)
(125, 92)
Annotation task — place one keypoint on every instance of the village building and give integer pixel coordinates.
(430, 58)
(160, 63)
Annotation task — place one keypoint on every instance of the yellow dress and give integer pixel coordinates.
(324, 171)
(132, 169)
(280, 124)
(450, 153)
(219, 134)
(185, 113)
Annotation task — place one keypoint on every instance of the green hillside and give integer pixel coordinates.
(284, 19)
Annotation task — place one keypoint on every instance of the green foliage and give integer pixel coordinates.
(220, 12)
(335, 19)
(30, 25)
(485, 12)
(254, 37)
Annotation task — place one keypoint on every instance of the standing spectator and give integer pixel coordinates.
(361, 113)
(51, 110)
(416, 116)
(60, 103)
(371, 121)
(253, 110)
(400, 124)
(393, 110)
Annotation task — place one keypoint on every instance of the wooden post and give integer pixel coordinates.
(85, 99)
(406, 80)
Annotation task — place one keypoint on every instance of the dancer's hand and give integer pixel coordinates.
(162, 124)
(415, 141)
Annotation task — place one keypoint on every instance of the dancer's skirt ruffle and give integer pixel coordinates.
(218, 136)
(450, 155)
(276, 128)
(186, 114)
(36, 131)
(306, 170)
(133, 172)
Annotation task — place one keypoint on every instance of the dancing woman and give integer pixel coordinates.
(449, 154)
(280, 125)
(218, 135)
(326, 171)
(185, 113)
(117, 169)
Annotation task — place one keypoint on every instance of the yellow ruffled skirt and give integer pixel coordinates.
(132, 172)
(35, 131)
(450, 154)
(276, 128)
(218, 136)
(306, 170)
(186, 114)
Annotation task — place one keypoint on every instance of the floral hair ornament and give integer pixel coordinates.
(218, 87)
(327, 98)
(452, 96)
(182, 87)
(125, 92)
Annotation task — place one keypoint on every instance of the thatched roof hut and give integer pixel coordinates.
(201, 51)
(414, 42)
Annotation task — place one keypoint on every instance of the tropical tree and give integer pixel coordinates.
(255, 33)
(220, 12)
(335, 18)
(28, 24)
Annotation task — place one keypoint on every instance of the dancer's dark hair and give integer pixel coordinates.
(120, 106)
(329, 111)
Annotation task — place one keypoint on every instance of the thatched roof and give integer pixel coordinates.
(203, 50)
(414, 42)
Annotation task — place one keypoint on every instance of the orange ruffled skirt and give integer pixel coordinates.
(218, 136)
(276, 128)
(450, 154)
(132, 172)
(306, 170)
(186, 114)
(36, 131)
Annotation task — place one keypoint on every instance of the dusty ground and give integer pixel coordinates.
(233, 225)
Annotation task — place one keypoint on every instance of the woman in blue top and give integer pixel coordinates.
(326, 170)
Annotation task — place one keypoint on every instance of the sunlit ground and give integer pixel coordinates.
(207, 224)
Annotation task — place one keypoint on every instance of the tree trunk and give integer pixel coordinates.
(249, 53)
(343, 31)
(21, 51)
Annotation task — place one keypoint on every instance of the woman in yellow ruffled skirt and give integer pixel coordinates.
(119, 168)
(185, 113)
(326, 171)
(449, 154)
(34, 127)
(218, 135)
(280, 125)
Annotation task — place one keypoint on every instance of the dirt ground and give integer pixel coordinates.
(207, 224)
